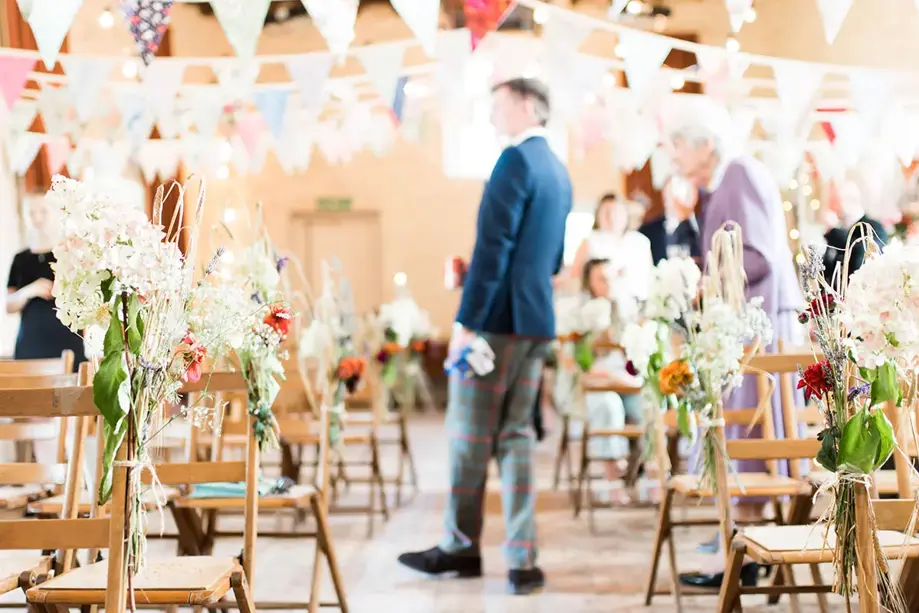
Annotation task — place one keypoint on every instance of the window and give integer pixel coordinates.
(577, 227)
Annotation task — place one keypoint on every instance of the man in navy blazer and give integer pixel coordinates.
(508, 301)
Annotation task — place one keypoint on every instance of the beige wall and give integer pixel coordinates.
(426, 217)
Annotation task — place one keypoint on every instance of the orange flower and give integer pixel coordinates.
(350, 367)
(675, 377)
(280, 318)
(419, 346)
(392, 348)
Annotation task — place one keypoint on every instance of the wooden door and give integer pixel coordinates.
(351, 238)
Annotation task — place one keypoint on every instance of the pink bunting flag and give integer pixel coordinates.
(250, 127)
(14, 74)
(148, 21)
(58, 150)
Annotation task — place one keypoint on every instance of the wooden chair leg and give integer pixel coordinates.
(378, 476)
(582, 474)
(590, 496)
(324, 543)
(409, 456)
(560, 455)
(674, 572)
(400, 473)
(663, 534)
(729, 597)
(817, 577)
(241, 591)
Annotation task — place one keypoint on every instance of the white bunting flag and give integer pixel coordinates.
(56, 113)
(22, 151)
(383, 64)
(382, 134)
(258, 157)
(580, 82)
(644, 54)
(453, 52)
(148, 159)
(310, 73)
(744, 119)
(565, 31)
(242, 21)
(335, 21)
(796, 85)
(851, 138)
(21, 116)
(826, 160)
(78, 156)
(872, 92)
(832, 14)
(58, 151)
(661, 167)
(136, 118)
(239, 156)
(50, 20)
(784, 159)
(422, 18)
(295, 148)
(85, 78)
(615, 9)
(272, 104)
(206, 105)
(236, 76)
(737, 12)
(161, 81)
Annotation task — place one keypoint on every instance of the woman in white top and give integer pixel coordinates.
(627, 251)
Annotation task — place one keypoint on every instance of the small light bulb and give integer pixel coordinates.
(787, 206)
(799, 259)
(793, 184)
(129, 69)
(226, 151)
(635, 7)
(400, 279)
(540, 15)
(106, 19)
(807, 190)
(619, 50)
(228, 257)
(660, 23)
(223, 172)
(229, 216)
(677, 82)
(815, 204)
(750, 15)
(794, 234)
(590, 98)
(732, 45)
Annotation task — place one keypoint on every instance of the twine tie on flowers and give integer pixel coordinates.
(159, 492)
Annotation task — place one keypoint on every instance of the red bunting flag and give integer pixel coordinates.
(148, 21)
(484, 16)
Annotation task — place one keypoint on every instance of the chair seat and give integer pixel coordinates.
(595, 384)
(297, 497)
(627, 431)
(347, 436)
(744, 484)
(183, 580)
(886, 480)
(55, 504)
(365, 418)
(227, 440)
(14, 563)
(814, 544)
(16, 496)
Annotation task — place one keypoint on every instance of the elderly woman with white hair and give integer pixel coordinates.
(739, 189)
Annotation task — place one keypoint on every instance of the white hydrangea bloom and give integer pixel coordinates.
(404, 317)
(640, 342)
(674, 286)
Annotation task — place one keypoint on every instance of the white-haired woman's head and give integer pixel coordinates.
(701, 136)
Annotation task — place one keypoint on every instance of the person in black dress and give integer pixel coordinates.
(843, 210)
(41, 334)
(673, 234)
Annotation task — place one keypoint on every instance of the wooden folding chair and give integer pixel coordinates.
(585, 479)
(768, 485)
(189, 580)
(50, 366)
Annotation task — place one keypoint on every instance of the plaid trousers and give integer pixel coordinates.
(493, 416)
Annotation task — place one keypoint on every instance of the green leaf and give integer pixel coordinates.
(868, 374)
(389, 374)
(885, 386)
(584, 354)
(112, 437)
(135, 325)
(107, 288)
(106, 383)
(826, 457)
(683, 423)
(114, 336)
(892, 339)
(887, 441)
(655, 363)
(858, 444)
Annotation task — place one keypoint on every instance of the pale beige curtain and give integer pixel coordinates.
(11, 241)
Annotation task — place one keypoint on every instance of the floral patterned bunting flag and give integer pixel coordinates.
(147, 20)
(484, 16)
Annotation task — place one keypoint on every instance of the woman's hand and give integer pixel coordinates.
(40, 288)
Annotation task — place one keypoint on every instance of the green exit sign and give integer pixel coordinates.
(333, 204)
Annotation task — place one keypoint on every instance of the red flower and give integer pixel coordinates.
(816, 380)
(824, 303)
(280, 319)
(630, 368)
(194, 354)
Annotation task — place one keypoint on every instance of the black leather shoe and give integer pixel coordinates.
(749, 573)
(525, 581)
(436, 561)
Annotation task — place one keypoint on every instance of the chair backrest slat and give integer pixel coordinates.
(783, 362)
(48, 534)
(30, 381)
(28, 473)
(198, 472)
(50, 366)
(33, 431)
(894, 514)
(48, 402)
(766, 449)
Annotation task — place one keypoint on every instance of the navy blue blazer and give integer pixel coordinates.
(519, 245)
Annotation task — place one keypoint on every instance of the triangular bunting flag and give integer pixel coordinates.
(242, 21)
(160, 82)
(250, 128)
(310, 73)
(58, 151)
(236, 77)
(23, 151)
(381, 135)
(14, 74)
(661, 167)
(851, 137)
(743, 118)
(796, 85)
(564, 34)
(206, 105)
(239, 156)
(383, 64)
(582, 79)
(484, 16)
(258, 157)
(56, 113)
(50, 20)
(644, 54)
(272, 103)
(136, 118)
(422, 17)
(147, 159)
(452, 54)
(85, 79)
(20, 117)
(616, 8)
(737, 12)
(872, 92)
(148, 21)
(832, 14)
(335, 21)
(78, 155)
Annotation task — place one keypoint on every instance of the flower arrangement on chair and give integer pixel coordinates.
(406, 330)
(117, 271)
(867, 328)
(245, 299)
(579, 327)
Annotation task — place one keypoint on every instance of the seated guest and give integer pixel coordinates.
(675, 233)
(742, 191)
(843, 210)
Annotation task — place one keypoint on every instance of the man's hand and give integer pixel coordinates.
(461, 339)
(682, 197)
